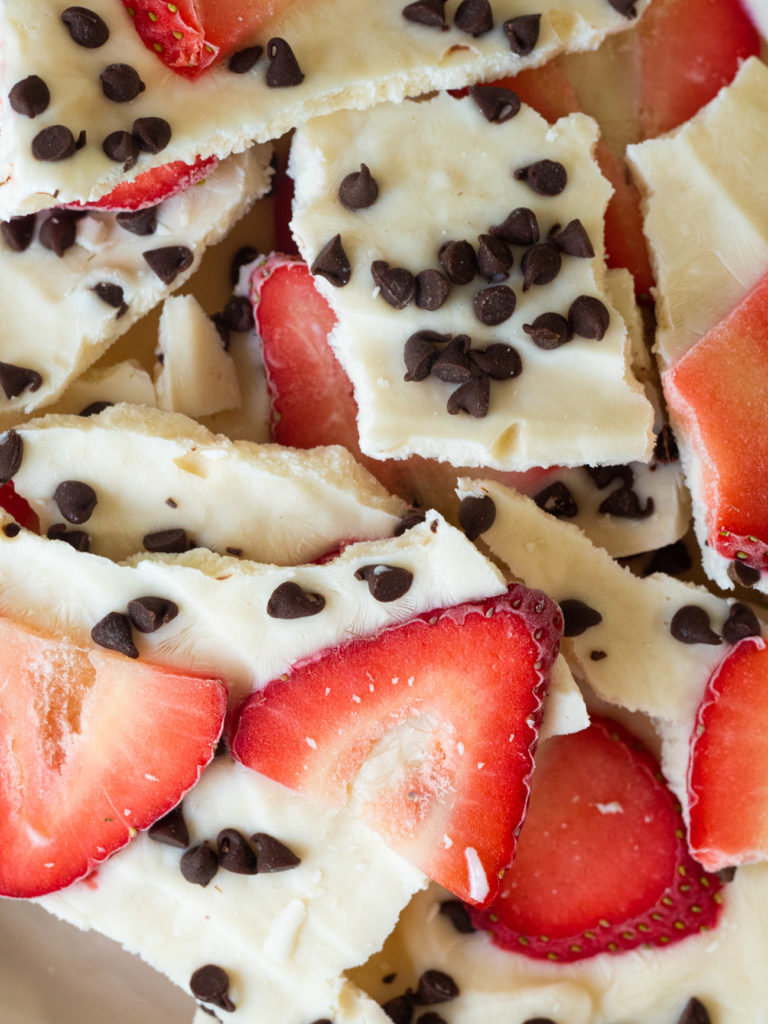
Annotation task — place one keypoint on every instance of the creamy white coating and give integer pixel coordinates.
(126, 381)
(445, 173)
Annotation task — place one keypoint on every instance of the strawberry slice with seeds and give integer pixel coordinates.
(153, 186)
(602, 863)
(427, 729)
(94, 747)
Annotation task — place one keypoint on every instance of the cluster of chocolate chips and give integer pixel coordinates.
(433, 987)
(232, 851)
(691, 625)
(283, 69)
(236, 316)
(385, 583)
(145, 614)
(624, 502)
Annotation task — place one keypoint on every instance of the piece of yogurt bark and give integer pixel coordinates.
(63, 311)
(446, 175)
(349, 54)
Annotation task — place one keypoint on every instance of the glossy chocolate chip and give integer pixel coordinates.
(695, 1011)
(30, 96)
(139, 222)
(152, 133)
(494, 258)
(412, 518)
(358, 190)
(243, 61)
(237, 314)
(474, 398)
(557, 500)
(235, 853)
(624, 503)
(385, 582)
(58, 232)
(210, 984)
(499, 361)
(520, 227)
(548, 331)
(741, 622)
(540, 264)
(421, 351)
(11, 454)
(453, 364)
(665, 450)
(290, 601)
(573, 240)
(199, 864)
(77, 539)
(332, 263)
(86, 27)
(148, 614)
(426, 12)
(121, 83)
(19, 231)
(114, 633)
(167, 542)
(476, 515)
(435, 987)
(497, 105)
(75, 500)
(578, 616)
(14, 380)
(458, 915)
(589, 317)
(458, 260)
(522, 33)
(397, 286)
(545, 177)
(690, 625)
(399, 1009)
(627, 9)
(742, 574)
(272, 855)
(94, 408)
(494, 305)
(474, 17)
(169, 261)
(121, 147)
(171, 830)
(283, 70)
(672, 559)
(111, 294)
(54, 143)
(432, 289)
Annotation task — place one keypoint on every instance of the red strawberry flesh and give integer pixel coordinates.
(153, 186)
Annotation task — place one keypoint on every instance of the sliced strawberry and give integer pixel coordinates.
(153, 186)
(602, 863)
(717, 393)
(18, 507)
(94, 746)
(728, 768)
(428, 729)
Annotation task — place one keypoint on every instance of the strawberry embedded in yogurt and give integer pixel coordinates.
(153, 186)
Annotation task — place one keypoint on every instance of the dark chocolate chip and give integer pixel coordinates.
(522, 33)
(16, 379)
(237, 314)
(77, 539)
(624, 503)
(332, 263)
(11, 453)
(545, 177)
(385, 582)
(426, 12)
(665, 449)
(597, 655)
(690, 625)
(458, 260)
(114, 632)
(11, 529)
(435, 987)
(54, 143)
(494, 305)
(86, 27)
(75, 500)
(399, 1009)
(474, 398)
(121, 147)
(397, 286)
(167, 542)
(497, 105)
(578, 616)
(573, 240)
(432, 289)
(557, 500)
(540, 264)
(627, 9)
(30, 96)
(152, 133)
(210, 984)
(171, 829)
(601, 476)
(121, 83)
(520, 227)
(408, 521)
(359, 189)
(112, 294)
(243, 61)
(452, 364)
(94, 408)
(588, 317)
(283, 70)
(148, 614)
(742, 574)
(421, 352)
(494, 258)
(476, 515)
(727, 875)
(139, 222)
(80, 140)
(235, 853)
(695, 1011)
(474, 17)
(272, 855)
(458, 915)
(19, 231)
(499, 361)
(741, 622)
(548, 331)
(199, 864)
(290, 601)
(169, 261)
(672, 559)
(58, 232)
(244, 255)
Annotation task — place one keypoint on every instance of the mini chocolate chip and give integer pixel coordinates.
(385, 582)
(30, 96)
(148, 614)
(332, 263)
(452, 364)
(672, 559)
(474, 398)
(474, 17)
(121, 83)
(94, 408)
(112, 294)
(432, 289)
(283, 70)
(628, 10)
(421, 352)
(742, 574)
(199, 864)
(359, 189)
(245, 254)
(494, 258)
(86, 27)
(458, 261)
(548, 331)
(152, 133)
(426, 12)
(601, 476)
(545, 177)
(169, 261)
(11, 453)
(597, 655)
(399, 1009)
(520, 227)
(573, 240)
(77, 539)
(522, 33)
(166, 542)
(210, 984)
(588, 317)
(237, 314)
(11, 529)
(114, 633)
(578, 616)
(80, 140)
(665, 449)
(695, 1011)
(497, 105)
(499, 361)
(397, 286)
(435, 987)
(624, 503)
(16, 379)
(557, 500)
(290, 601)
(171, 829)
(727, 875)
(272, 855)
(741, 622)
(540, 264)
(121, 147)
(235, 853)
(19, 231)
(408, 521)
(458, 915)
(243, 61)
(494, 305)
(476, 515)
(138, 222)
(53, 143)
(58, 232)
(690, 625)
(75, 500)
